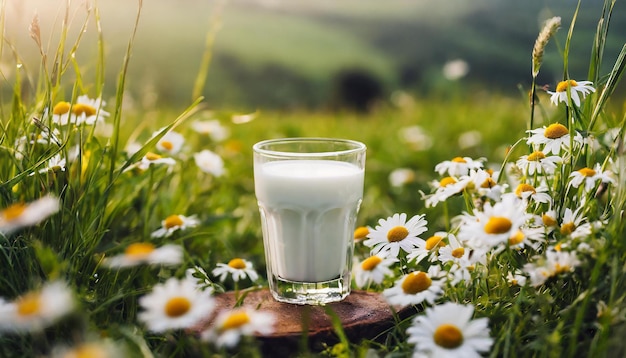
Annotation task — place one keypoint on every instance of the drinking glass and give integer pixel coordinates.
(309, 191)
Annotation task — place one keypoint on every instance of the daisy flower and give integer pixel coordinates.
(173, 223)
(555, 263)
(552, 138)
(528, 236)
(85, 110)
(373, 269)
(458, 166)
(395, 232)
(537, 162)
(495, 224)
(444, 189)
(146, 253)
(484, 183)
(361, 232)
(21, 215)
(230, 325)
(528, 192)
(448, 331)
(415, 288)
(454, 252)
(151, 159)
(212, 128)
(416, 138)
(577, 90)
(209, 162)
(590, 177)
(36, 310)
(575, 224)
(431, 248)
(238, 268)
(171, 143)
(56, 163)
(92, 349)
(401, 176)
(516, 278)
(175, 304)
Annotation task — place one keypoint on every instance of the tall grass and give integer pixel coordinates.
(112, 195)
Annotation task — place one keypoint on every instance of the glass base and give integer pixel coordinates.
(310, 293)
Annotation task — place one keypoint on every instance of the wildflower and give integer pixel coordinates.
(444, 189)
(173, 223)
(590, 177)
(431, 248)
(373, 269)
(361, 232)
(243, 118)
(55, 164)
(576, 89)
(555, 263)
(151, 159)
(209, 162)
(36, 310)
(455, 69)
(401, 176)
(175, 304)
(454, 252)
(549, 29)
(231, 325)
(495, 224)
(470, 139)
(484, 183)
(146, 253)
(238, 268)
(416, 138)
(92, 349)
(85, 110)
(538, 162)
(213, 128)
(21, 215)
(528, 192)
(171, 143)
(553, 138)
(395, 232)
(447, 331)
(458, 166)
(575, 224)
(415, 288)
(527, 236)
(516, 278)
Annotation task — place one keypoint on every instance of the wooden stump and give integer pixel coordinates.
(363, 315)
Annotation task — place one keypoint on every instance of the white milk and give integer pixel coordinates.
(308, 210)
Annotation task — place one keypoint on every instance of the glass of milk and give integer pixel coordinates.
(309, 191)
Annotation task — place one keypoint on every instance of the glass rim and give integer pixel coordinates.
(357, 147)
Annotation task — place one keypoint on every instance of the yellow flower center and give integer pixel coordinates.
(89, 350)
(361, 233)
(152, 156)
(81, 108)
(13, 211)
(555, 130)
(370, 263)
(587, 172)
(522, 188)
(29, 304)
(448, 336)
(397, 233)
(548, 220)
(237, 264)
(568, 228)
(517, 238)
(498, 225)
(458, 252)
(447, 181)
(458, 160)
(434, 241)
(536, 156)
(558, 247)
(488, 183)
(177, 306)
(562, 86)
(416, 282)
(235, 320)
(172, 221)
(61, 108)
(139, 249)
(167, 145)
(558, 268)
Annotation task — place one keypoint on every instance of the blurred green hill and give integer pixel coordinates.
(291, 54)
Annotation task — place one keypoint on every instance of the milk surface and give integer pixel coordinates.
(308, 210)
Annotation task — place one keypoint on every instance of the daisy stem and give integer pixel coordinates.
(533, 92)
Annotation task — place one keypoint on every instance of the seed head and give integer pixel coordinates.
(549, 29)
